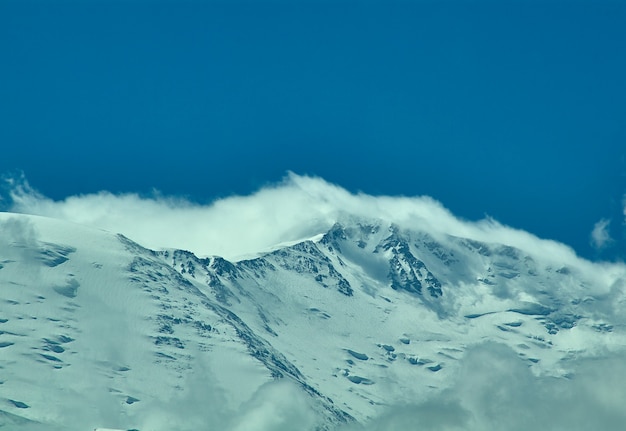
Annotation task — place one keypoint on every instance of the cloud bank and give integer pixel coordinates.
(293, 209)
(296, 208)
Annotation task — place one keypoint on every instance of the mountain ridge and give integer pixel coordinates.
(365, 315)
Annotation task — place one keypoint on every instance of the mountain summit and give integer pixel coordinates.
(99, 331)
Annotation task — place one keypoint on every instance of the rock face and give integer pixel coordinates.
(367, 315)
(405, 271)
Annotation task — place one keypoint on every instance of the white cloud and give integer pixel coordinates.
(600, 236)
(296, 208)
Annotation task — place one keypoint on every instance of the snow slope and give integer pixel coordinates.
(97, 331)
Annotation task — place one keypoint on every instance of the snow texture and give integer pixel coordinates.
(365, 325)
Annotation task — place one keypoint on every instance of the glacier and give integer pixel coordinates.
(366, 325)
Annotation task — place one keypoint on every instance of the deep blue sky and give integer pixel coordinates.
(515, 109)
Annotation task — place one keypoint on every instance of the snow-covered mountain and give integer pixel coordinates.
(98, 331)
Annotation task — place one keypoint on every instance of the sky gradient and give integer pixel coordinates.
(512, 109)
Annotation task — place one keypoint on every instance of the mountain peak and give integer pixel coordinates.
(365, 315)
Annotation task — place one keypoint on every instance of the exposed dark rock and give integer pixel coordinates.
(359, 356)
(54, 254)
(360, 380)
(532, 309)
(131, 400)
(406, 272)
(19, 404)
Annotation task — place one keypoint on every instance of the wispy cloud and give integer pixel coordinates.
(295, 208)
(600, 236)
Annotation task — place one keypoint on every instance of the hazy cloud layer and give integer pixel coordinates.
(600, 236)
(495, 390)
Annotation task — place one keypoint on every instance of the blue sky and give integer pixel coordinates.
(512, 109)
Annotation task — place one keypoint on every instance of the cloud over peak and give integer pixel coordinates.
(295, 208)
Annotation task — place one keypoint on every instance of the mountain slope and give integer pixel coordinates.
(98, 331)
